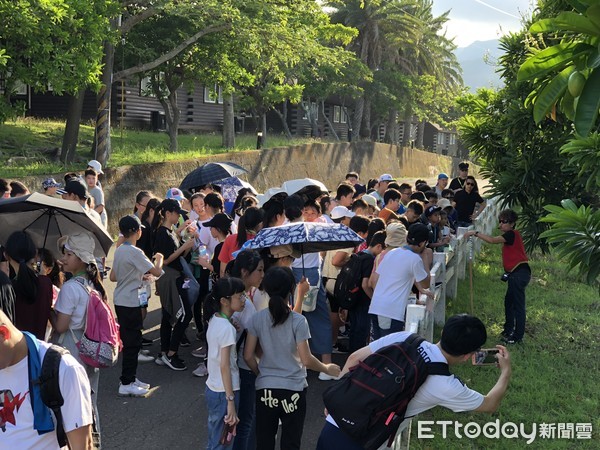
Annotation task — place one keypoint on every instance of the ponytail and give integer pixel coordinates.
(224, 287)
(21, 249)
(93, 274)
(250, 221)
(279, 283)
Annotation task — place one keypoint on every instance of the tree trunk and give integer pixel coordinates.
(391, 129)
(329, 124)
(365, 131)
(420, 133)
(228, 122)
(101, 148)
(357, 118)
(172, 115)
(71, 135)
(283, 117)
(407, 126)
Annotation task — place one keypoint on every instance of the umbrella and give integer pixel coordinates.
(305, 186)
(231, 186)
(46, 219)
(307, 237)
(209, 173)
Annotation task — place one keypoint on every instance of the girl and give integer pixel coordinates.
(223, 383)
(249, 267)
(33, 292)
(249, 225)
(281, 373)
(274, 213)
(141, 201)
(169, 286)
(147, 217)
(69, 316)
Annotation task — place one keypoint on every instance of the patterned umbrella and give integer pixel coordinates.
(209, 173)
(307, 237)
(231, 186)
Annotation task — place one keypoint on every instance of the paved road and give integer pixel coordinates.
(174, 414)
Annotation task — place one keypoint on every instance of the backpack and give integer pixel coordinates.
(348, 283)
(100, 344)
(369, 402)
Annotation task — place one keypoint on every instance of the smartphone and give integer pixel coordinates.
(485, 357)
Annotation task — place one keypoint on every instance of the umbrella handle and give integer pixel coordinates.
(302, 257)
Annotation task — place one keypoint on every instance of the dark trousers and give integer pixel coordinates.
(245, 438)
(130, 329)
(203, 281)
(514, 302)
(359, 325)
(170, 336)
(290, 408)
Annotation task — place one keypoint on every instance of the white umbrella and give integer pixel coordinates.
(303, 184)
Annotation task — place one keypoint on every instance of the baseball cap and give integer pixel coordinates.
(417, 233)
(50, 183)
(81, 244)
(96, 166)
(129, 224)
(75, 186)
(386, 177)
(432, 210)
(395, 235)
(341, 211)
(281, 251)
(221, 221)
(444, 203)
(442, 175)
(175, 194)
(370, 200)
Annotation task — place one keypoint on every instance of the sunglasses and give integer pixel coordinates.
(504, 221)
(470, 184)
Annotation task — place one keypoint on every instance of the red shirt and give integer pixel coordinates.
(513, 251)
(230, 246)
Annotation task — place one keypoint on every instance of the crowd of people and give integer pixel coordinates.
(255, 340)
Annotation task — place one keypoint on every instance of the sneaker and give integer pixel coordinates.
(144, 358)
(185, 342)
(145, 352)
(141, 384)
(158, 360)
(512, 341)
(340, 349)
(132, 390)
(147, 342)
(324, 377)
(173, 362)
(201, 370)
(200, 352)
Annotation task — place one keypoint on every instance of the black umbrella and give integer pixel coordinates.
(209, 173)
(46, 219)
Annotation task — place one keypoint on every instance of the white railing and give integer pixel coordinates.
(449, 267)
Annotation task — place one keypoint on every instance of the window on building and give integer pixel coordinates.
(452, 139)
(314, 110)
(343, 116)
(213, 94)
(19, 88)
(146, 88)
(337, 110)
(440, 138)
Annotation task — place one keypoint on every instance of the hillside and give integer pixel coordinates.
(478, 62)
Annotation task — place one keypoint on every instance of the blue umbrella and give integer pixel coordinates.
(231, 186)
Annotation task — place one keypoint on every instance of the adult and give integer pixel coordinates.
(21, 357)
(517, 272)
(442, 182)
(70, 311)
(459, 182)
(401, 268)
(467, 200)
(33, 291)
(461, 337)
(281, 371)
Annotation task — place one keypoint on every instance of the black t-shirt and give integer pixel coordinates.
(216, 273)
(144, 243)
(465, 204)
(166, 242)
(367, 261)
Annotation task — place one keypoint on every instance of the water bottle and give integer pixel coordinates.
(202, 252)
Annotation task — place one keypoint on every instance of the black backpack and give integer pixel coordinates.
(50, 389)
(369, 402)
(348, 283)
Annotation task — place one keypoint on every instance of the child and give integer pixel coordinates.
(91, 179)
(130, 268)
(50, 185)
(223, 383)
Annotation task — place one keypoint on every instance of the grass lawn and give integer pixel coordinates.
(36, 140)
(556, 372)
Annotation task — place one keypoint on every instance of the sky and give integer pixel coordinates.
(481, 20)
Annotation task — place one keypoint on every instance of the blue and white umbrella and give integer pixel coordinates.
(231, 186)
(307, 237)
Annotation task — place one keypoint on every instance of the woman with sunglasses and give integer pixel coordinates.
(466, 200)
(517, 274)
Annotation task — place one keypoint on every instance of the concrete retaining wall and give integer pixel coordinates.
(270, 167)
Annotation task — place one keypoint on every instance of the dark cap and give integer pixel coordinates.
(463, 166)
(432, 210)
(221, 221)
(76, 187)
(417, 233)
(418, 196)
(129, 224)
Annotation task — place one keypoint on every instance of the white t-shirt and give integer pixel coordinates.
(221, 334)
(206, 237)
(73, 300)
(397, 274)
(130, 265)
(14, 384)
(437, 390)
(311, 260)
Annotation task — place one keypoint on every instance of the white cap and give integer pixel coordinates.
(96, 166)
(386, 177)
(341, 211)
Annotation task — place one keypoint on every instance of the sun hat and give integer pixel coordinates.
(395, 235)
(281, 251)
(82, 244)
(444, 203)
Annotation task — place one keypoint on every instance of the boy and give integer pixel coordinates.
(391, 199)
(50, 185)
(91, 179)
(436, 242)
(131, 298)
